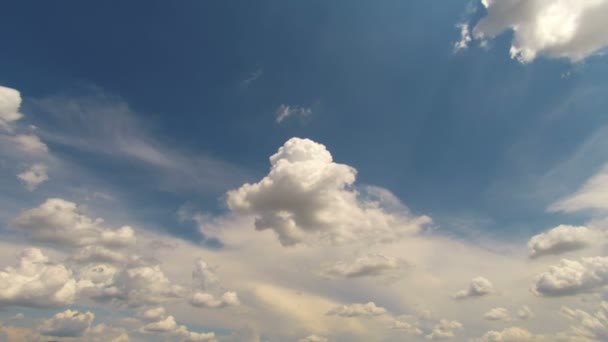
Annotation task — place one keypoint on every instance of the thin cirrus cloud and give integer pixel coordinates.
(568, 29)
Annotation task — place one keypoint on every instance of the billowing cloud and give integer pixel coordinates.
(445, 329)
(512, 334)
(153, 314)
(357, 310)
(561, 239)
(63, 223)
(36, 282)
(497, 314)
(592, 195)
(368, 265)
(67, 324)
(34, 176)
(206, 288)
(167, 324)
(30, 143)
(207, 300)
(285, 112)
(588, 326)
(313, 338)
(307, 195)
(568, 29)
(170, 327)
(10, 101)
(479, 287)
(571, 277)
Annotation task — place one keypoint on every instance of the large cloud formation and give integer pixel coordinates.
(308, 195)
(571, 29)
(571, 277)
(561, 239)
(68, 324)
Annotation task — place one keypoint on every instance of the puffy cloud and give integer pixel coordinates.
(63, 223)
(313, 338)
(207, 300)
(444, 329)
(34, 176)
(10, 101)
(589, 326)
(409, 325)
(497, 314)
(512, 334)
(153, 314)
(30, 143)
(561, 239)
(162, 326)
(524, 313)
(204, 276)
(592, 195)
(169, 326)
(572, 277)
(67, 324)
(285, 111)
(369, 265)
(357, 310)
(36, 282)
(307, 195)
(479, 287)
(570, 29)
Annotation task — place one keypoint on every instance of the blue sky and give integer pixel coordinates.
(486, 119)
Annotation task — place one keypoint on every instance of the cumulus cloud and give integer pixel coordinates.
(497, 314)
(313, 338)
(63, 223)
(479, 287)
(588, 326)
(409, 325)
(571, 277)
(10, 101)
(34, 176)
(285, 112)
(153, 314)
(592, 195)
(366, 266)
(512, 334)
(30, 143)
(307, 195)
(568, 29)
(524, 313)
(67, 324)
(561, 239)
(170, 327)
(444, 329)
(207, 300)
(357, 310)
(205, 283)
(36, 282)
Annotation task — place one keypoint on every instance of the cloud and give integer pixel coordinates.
(153, 314)
(63, 223)
(284, 112)
(589, 326)
(409, 325)
(571, 277)
(207, 300)
(497, 314)
(562, 239)
(67, 324)
(169, 326)
(313, 338)
(479, 287)
(357, 310)
(34, 176)
(568, 29)
(30, 143)
(308, 196)
(366, 266)
(36, 282)
(524, 313)
(444, 329)
(512, 334)
(204, 280)
(592, 195)
(10, 101)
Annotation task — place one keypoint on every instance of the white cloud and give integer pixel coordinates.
(562, 239)
(357, 310)
(592, 195)
(285, 112)
(207, 300)
(313, 338)
(512, 334)
(36, 282)
(409, 325)
(170, 327)
(479, 287)
(34, 176)
(497, 314)
(30, 143)
(204, 276)
(67, 324)
(307, 195)
(571, 277)
(465, 37)
(571, 29)
(153, 314)
(444, 329)
(63, 223)
(162, 326)
(589, 326)
(368, 265)
(524, 313)
(10, 101)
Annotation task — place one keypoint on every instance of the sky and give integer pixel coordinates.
(306, 171)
